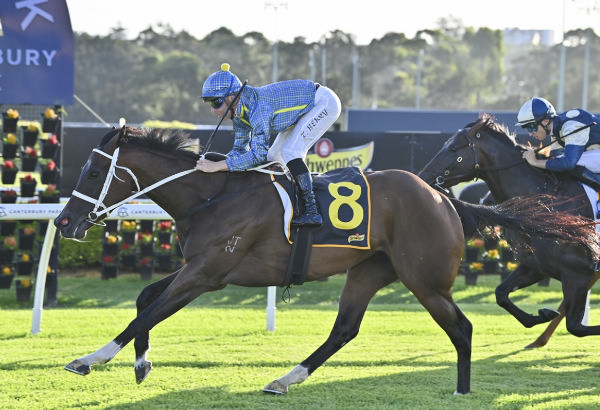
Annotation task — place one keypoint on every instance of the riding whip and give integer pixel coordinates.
(563, 137)
(207, 146)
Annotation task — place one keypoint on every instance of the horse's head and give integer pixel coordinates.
(92, 193)
(480, 146)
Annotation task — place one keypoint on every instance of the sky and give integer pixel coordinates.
(313, 19)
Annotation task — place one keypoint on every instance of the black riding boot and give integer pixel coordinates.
(311, 215)
(587, 177)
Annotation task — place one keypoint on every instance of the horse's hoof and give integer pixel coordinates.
(142, 372)
(76, 366)
(535, 345)
(276, 387)
(548, 314)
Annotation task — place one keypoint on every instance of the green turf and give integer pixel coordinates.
(217, 354)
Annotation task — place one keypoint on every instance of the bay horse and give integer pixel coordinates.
(485, 149)
(416, 236)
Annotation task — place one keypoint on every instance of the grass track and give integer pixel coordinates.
(216, 353)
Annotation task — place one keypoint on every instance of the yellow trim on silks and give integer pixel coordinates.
(296, 108)
(336, 233)
(244, 111)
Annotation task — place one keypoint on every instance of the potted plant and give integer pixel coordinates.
(30, 135)
(24, 264)
(110, 268)
(147, 225)
(163, 257)
(9, 120)
(49, 146)
(23, 289)
(127, 256)
(7, 228)
(50, 195)
(8, 196)
(9, 172)
(506, 252)
(110, 245)
(472, 249)
(473, 271)
(49, 172)
(28, 184)
(163, 231)
(29, 159)
(491, 261)
(7, 252)
(146, 268)
(145, 241)
(49, 120)
(128, 231)
(492, 238)
(26, 236)
(509, 267)
(10, 144)
(6, 277)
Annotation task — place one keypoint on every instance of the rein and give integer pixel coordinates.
(99, 203)
(100, 208)
(439, 181)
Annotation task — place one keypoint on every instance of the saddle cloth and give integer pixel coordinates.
(344, 200)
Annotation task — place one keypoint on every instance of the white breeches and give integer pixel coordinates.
(591, 160)
(297, 140)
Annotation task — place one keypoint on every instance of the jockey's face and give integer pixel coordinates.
(220, 112)
(542, 131)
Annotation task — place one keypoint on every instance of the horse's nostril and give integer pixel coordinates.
(64, 221)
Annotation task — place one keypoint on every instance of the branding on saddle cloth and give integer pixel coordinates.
(344, 201)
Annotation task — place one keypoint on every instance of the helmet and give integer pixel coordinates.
(535, 110)
(221, 84)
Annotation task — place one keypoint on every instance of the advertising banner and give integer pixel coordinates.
(36, 53)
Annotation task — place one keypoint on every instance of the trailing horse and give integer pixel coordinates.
(485, 150)
(416, 236)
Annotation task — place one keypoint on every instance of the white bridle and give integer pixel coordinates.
(99, 203)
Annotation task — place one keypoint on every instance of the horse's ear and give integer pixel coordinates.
(122, 135)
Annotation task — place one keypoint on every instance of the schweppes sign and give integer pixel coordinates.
(326, 159)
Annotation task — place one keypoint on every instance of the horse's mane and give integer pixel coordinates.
(499, 131)
(177, 142)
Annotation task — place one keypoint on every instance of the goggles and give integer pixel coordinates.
(530, 127)
(214, 102)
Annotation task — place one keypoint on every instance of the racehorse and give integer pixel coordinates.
(485, 149)
(416, 236)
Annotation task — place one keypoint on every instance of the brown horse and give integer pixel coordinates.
(485, 149)
(416, 236)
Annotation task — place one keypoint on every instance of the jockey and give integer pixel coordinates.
(577, 131)
(297, 112)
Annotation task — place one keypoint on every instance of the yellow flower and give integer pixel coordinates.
(11, 138)
(25, 257)
(111, 239)
(503, 244)
(129, 225)
(493, 254)
(476, 266)
(26, 283)
(6, 270)
(48, 269)
(11, 113)
(49, 114)
(511, 265)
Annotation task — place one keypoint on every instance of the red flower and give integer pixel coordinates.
(126, 246)
(165, 225)
(53, 139)
(28, 178)
(51, 165)
(108, 259)
(144, 261)
(10, 192)
(30, 152)
(8, 164)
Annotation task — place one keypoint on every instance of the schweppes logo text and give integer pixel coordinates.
(360, 156)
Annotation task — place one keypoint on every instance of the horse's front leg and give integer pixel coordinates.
(184, 288)
(142, 341)
(520, 278)
(358, 291)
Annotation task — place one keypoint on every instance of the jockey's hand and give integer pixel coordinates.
(205, 165)
(529, 156)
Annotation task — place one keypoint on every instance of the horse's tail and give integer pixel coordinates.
(531, 216)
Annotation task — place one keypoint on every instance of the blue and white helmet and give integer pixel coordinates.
(534, 111)
(221, 84)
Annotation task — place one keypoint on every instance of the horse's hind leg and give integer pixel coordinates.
(575, 288)
(543, 339)
(142, 341)
(362, 282)
(459, 329)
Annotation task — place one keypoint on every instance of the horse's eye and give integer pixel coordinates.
(93, 174)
